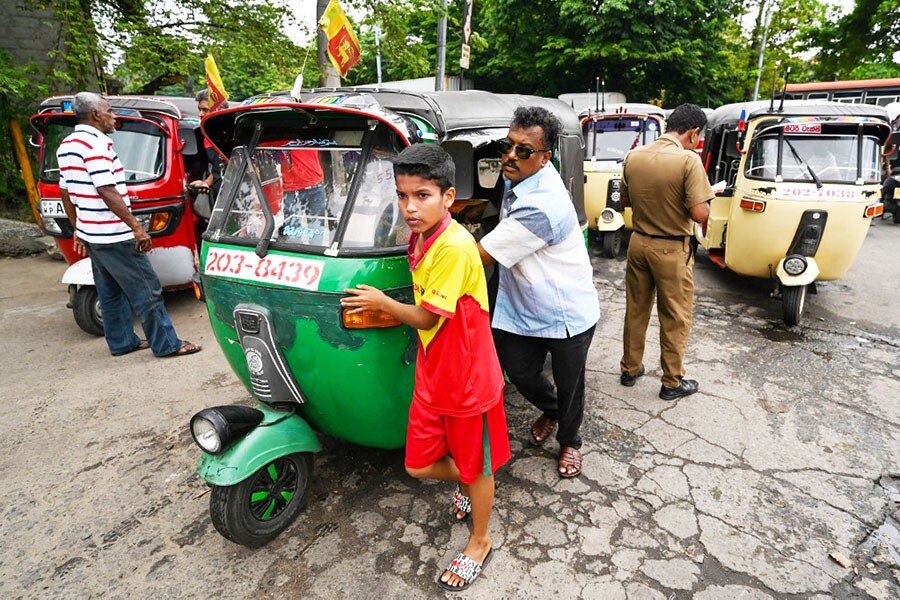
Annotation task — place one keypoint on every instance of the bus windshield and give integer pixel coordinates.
(612, 138)
(805, 158)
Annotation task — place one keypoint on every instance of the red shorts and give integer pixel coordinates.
(479, 445)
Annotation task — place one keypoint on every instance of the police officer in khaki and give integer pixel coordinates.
(666, 187)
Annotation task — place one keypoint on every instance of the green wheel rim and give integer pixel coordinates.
(273, 489)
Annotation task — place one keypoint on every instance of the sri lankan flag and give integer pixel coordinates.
(343, 47)
(217, 94)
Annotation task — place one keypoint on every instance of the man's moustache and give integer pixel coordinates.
(511, 165)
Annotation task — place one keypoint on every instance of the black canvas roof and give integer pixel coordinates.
(178, 107)
(730, 114)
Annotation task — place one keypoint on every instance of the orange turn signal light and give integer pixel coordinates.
(874, 210)
(159, 220)
(368, 319)
(753, 205)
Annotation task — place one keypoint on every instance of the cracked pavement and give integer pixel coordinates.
(788, 455)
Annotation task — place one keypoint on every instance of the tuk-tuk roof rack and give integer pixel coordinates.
(173, 106)
(730, 114)
(628, 108)
(451, 111)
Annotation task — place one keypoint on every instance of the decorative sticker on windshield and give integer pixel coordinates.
(311, 143)
(300, 273)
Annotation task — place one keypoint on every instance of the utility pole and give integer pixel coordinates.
(441, 48)
(762, 48)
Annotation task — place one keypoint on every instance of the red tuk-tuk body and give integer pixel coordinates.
(159, 143)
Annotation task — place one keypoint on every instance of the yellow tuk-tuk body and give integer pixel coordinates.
(796, 190)
(609, 134)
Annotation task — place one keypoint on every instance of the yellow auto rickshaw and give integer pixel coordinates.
(608, 136)
(796, 189)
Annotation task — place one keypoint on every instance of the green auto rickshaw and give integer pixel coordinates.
(307, 209)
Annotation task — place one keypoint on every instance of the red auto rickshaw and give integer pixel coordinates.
(159, 142)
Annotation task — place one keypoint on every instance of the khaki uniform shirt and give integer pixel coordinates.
(662, 181)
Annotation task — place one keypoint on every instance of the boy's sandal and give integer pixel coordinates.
(569, 458)
(185, 349)
(541, 430)
(466, 568)
(461, 503)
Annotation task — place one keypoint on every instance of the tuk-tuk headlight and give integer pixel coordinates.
(205, 435)
(214, 429)
(51, 226)
(607, 215)
(794, 265)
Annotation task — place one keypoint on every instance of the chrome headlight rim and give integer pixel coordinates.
(206, 435)
(215, 429)
(607, 215)
(795, 265)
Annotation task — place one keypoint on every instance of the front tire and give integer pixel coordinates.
(611, 242)
(86, 309)
(793, 300)
(253, 512)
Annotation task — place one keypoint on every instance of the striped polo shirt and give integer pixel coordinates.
(87, 161)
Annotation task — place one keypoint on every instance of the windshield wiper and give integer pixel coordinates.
(804, 163)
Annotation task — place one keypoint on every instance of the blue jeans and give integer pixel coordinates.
(125, 281)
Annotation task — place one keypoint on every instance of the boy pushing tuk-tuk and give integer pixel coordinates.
(457, 423)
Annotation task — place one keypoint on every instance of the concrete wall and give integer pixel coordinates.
(29, 35)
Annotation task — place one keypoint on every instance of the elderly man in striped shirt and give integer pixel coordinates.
(92, 185)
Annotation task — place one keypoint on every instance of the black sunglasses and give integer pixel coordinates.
(522, 153)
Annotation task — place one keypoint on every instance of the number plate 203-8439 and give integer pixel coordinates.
(301, 273)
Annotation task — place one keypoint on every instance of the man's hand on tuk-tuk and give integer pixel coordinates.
(78, 245)
(142, 241)
(364, 297)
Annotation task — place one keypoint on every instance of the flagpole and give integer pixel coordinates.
(378, 52)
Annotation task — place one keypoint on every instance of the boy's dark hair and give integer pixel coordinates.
(202, 95)
(686, 117)
(531, 116)
(428, 161)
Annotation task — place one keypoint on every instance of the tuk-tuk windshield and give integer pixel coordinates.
(832, 158)
(308, 189)
(612, 138)
(139, 145)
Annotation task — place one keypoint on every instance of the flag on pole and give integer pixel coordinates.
(343, 46)
(217, 94)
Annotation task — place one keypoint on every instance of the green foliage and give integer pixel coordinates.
(17, 88)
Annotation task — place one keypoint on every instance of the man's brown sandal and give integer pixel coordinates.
(569, 458)
(541, 430)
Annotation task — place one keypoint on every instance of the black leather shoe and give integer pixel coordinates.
(686, 387)
(628, 380)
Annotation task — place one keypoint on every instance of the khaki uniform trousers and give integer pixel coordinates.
(665, 267)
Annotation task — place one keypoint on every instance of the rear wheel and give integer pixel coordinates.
(793, 300)
(253, 512)
(86, 309)
(611, 242)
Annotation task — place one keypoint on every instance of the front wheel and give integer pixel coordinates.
(793, 299)
(86, 309)
(611, 242)
(253, 512)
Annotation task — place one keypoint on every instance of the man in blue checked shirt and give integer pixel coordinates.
(92, 186)
(546, 301)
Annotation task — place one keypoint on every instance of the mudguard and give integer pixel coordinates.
(278, 435)
(617, 223)
(805, 278)
(79, 273)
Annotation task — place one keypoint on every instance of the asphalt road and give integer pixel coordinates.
(788, 454)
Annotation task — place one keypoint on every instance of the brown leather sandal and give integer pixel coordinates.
(569, 457)
(541, 430)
